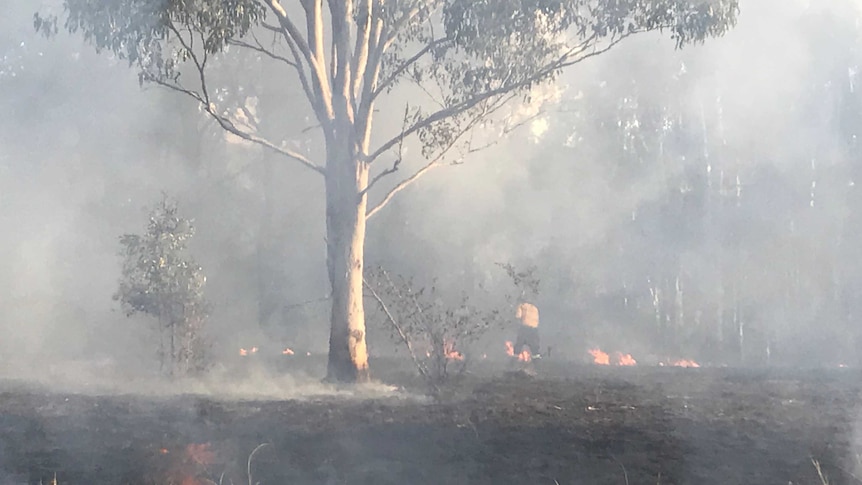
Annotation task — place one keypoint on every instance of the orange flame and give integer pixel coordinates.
(603, 358)
(510, 348)
(450, 352)
(202, 453)
(599, 357)
(626, 359)
(524, 356)
(287, 351)
(245, 352)
(684, 363)
(196, 457)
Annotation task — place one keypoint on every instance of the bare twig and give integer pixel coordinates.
(263, 50)
(395, 164)
(401, 334)
(388, 171)
(386, 83)
(625, 473)
(250, 457)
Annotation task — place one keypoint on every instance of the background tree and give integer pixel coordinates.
(160, 280)
(468, 59)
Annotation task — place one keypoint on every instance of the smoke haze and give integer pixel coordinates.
(687, 203)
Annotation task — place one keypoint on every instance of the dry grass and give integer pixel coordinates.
(824, 480)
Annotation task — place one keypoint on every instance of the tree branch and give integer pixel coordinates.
(289, 28)
(315, 59)
(417, 175)
(316, 105)
(369, 81)
(263, 50)
(565, 60)
(397, 161)
(341, 17)
(392, 34)
(314, 28)
(405, 65)
(401, 186)
(360, 50)
(204, 99)
(231, 127)
(388, 171)
(488, 110)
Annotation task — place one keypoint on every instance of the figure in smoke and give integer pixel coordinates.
(528, 330)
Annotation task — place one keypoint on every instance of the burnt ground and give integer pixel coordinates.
(572, 424)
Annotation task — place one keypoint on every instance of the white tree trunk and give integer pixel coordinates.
(346, 204)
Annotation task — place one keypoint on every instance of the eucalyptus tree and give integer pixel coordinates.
(470, 58)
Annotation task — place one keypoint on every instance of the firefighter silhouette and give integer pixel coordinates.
(528, 330)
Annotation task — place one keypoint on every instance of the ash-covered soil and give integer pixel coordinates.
(570, 424)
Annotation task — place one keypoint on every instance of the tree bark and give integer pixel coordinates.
(346, 179)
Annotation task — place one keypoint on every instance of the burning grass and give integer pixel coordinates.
(603, 358)
(523, 356)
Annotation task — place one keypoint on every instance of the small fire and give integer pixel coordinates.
(684, 363)
(524, 356)
(626, 359)
(599, 357)
(454, 355)
(603, 358)
(187, 467)
(245, 352)
(450, 352)
(287, 351)
(202, 453)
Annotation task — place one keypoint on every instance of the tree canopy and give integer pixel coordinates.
(474, 54)
(470, 58)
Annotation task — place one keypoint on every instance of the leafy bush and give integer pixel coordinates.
(160, 280)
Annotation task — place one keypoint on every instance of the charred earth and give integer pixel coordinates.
(570, 424)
